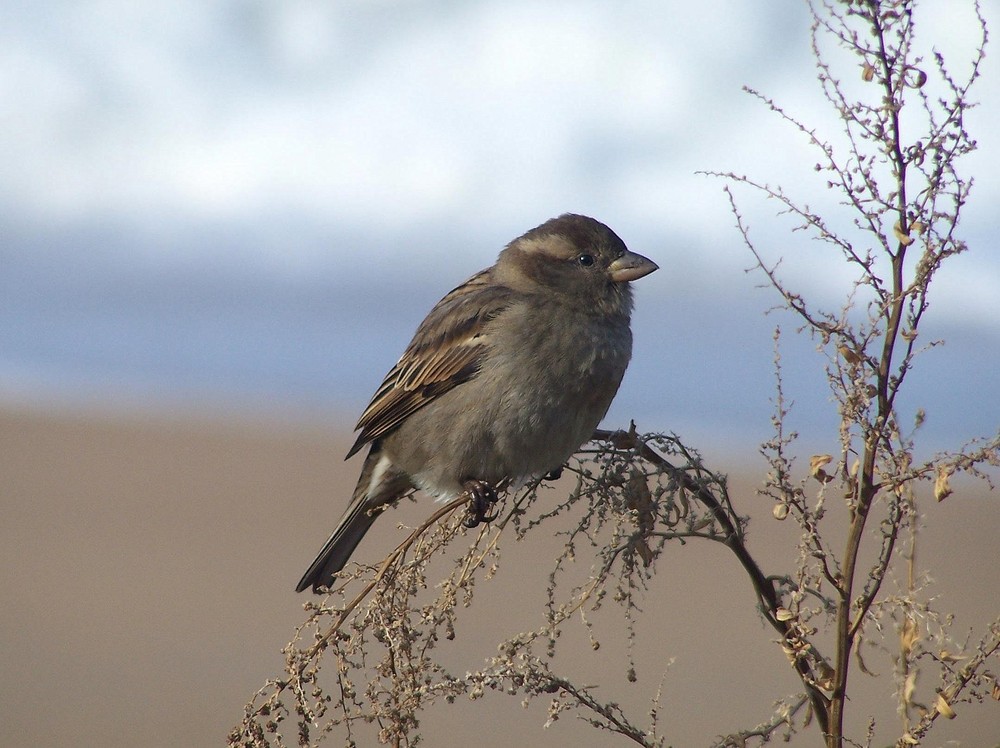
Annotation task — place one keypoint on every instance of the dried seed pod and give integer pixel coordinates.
(944, 708)
(945, 656)
(908, 636)
(816, 463)
(914, 77)
(784, 614)
(903, 237)
(942, 489)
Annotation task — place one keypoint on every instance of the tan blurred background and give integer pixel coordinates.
(149, 562)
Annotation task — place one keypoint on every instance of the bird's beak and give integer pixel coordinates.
(630, 266)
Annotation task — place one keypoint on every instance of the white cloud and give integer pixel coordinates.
(390, 114)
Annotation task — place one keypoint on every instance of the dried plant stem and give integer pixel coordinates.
(384, 570)
(762, 584)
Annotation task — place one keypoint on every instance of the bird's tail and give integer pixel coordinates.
(380, 485)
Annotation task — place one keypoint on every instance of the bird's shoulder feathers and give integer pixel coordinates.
(446, 350)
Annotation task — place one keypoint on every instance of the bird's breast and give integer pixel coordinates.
(543, 385)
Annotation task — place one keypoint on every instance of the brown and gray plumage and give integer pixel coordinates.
(506, 377)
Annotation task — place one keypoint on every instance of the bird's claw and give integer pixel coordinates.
(483, 497)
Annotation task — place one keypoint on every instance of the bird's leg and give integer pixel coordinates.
(554, 474)
(484, 496)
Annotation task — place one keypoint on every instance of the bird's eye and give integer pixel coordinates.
(585, 260)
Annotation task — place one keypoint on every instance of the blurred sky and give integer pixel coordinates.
(254, 203)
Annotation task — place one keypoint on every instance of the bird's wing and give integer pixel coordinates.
(446, 350)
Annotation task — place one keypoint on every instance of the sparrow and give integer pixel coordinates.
(506, 377)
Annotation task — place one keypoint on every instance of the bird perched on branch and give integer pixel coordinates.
(506, 377)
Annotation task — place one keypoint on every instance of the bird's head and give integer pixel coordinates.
(576, 259)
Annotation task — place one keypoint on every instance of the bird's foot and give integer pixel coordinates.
(554, 474)
(483, 497)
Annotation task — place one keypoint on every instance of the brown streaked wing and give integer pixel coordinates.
(445, 351)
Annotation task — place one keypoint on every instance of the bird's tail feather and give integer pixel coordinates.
(379, 486)
(338, 548)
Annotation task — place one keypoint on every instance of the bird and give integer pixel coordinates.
(507, 376)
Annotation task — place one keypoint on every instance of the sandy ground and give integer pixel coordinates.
(149, 563)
